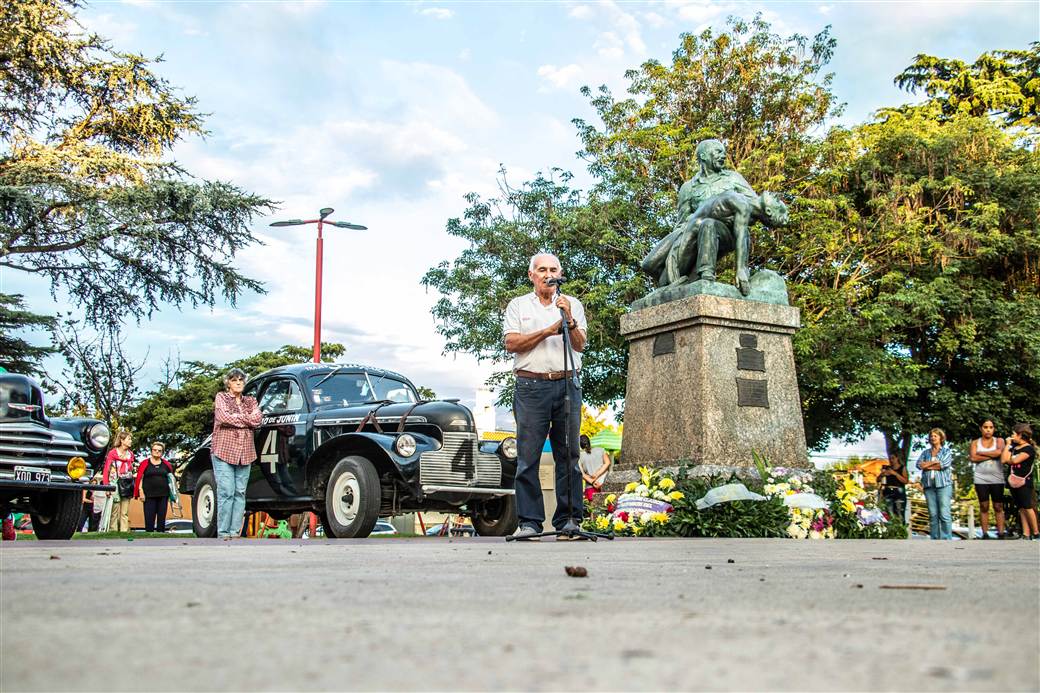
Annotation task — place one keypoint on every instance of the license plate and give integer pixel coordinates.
(32, 474)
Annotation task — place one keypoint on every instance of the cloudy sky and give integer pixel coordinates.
(391, 112)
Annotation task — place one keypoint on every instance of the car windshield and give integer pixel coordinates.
(344, 389)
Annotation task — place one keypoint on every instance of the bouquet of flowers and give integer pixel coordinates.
(856, 501)
(806, 522)
(641, 509)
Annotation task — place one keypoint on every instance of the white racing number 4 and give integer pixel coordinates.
(269, 453)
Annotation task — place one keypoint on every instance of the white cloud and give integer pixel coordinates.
(465, 54)
(609, 46)
(655, 20)
(437, 12)
(824, 9)
(299, 8)
(581, 12)
(561, 77)
(702, 13)
(436, 93)
(119, 31)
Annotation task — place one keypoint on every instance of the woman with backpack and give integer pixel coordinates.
(119, 470)
(1020, 456)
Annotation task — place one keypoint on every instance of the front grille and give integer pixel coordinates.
(37, 446)
(459, 462)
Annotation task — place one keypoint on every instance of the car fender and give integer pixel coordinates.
(194, 467)
(378, 448)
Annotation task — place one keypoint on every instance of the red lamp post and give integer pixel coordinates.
(320, 221)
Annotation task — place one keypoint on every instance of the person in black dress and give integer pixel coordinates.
(154, 488)
(892, 479)
(1020, 456)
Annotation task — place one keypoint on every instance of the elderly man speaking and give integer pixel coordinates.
(533, 334)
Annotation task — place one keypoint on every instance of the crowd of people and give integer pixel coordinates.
(1002, 473)
(149, 479)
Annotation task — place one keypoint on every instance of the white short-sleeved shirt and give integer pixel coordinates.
(526, 314)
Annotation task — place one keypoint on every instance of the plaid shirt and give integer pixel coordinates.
(233, 424)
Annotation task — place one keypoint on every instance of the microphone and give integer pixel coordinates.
(556, 281)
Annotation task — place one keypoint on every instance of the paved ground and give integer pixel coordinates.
(476, 614)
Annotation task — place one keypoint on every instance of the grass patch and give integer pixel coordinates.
(91, 536)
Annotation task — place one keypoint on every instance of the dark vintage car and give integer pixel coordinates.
(45, 463)
(354, 443)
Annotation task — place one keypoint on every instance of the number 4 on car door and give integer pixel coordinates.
(269, 453)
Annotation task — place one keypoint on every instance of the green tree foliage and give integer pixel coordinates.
(16, 354)
(180, 412)
(86, 200)
(759, 91)
(922, 304)
(1002, 83)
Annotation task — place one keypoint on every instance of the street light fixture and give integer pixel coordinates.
(320, 221)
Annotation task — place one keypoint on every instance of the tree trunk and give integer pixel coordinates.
(898, 443)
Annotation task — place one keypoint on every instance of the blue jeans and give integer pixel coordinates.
(940, 520)
(539, 409)
(232, 480)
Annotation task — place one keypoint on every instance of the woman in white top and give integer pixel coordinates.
(989, 476)
(594, 463)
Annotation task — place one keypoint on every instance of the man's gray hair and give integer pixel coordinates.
(234, 374)
(530, 265)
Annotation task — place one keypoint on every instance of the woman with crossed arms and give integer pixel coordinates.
(936, 465)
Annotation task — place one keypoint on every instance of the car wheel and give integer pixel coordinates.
(56, 514)
(351, 499)
(204, 506)
(495, 517)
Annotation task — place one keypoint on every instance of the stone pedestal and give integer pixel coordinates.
(711, 379)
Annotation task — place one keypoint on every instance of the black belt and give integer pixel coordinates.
(551, 375)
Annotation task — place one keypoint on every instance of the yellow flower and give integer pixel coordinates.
(619, 526)
(676, 495)
(610, 499)
(660, 518)
(666, 484)
(602, 522)
(646, 474)
(630, 487)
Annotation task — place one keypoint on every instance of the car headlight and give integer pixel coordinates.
(76, 467)
(508, 448)
(98, 436)
(405, 445)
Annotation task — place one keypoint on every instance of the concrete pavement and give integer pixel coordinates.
(479, 614)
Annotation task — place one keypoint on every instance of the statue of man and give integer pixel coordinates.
(734, 210)
(671, 261)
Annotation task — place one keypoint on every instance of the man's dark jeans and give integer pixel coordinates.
(539, 409)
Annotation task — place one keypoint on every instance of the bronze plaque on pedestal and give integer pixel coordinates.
(752, 393)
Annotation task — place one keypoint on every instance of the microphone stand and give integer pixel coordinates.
(571, 530)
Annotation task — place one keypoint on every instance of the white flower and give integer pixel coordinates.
(644, 518)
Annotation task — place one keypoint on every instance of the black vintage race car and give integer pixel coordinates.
(45, 463)
(354, 443)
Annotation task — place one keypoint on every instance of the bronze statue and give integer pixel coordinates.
(732, 211)
(715, 208)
